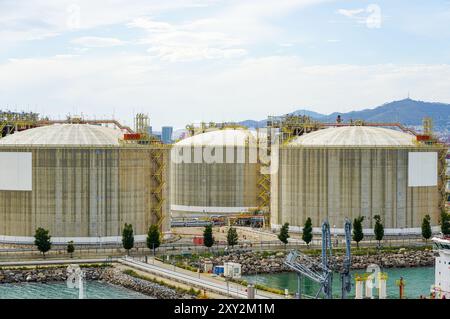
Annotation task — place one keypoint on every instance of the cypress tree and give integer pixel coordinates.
(70, 248)
(208, 238)
(128, 237)
(42, 240)
(232, 237)
(358, 234)
(307, 234)
(284, 234)
(378, 229)
(445, 223)
(153, 238)
(426, 227)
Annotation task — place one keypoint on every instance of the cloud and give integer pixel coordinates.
(193, 53)
(370, 16)
(187, 42)
(97, 42)
(247, 88)
(351, 13)
(150, 25)
(225, 34)
(49, 18)
(227, 31)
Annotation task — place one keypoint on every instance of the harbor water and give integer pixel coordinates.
(418, 282)
(59, 290)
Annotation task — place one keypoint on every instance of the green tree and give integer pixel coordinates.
(445, 223)
(70, 248)
(208, 239)
(358, 234)
(232, 237)
(153, 238)
(42, 240)
(307, 233)
(378, 229)
(426, 227)
(128, 237)
(284, 234)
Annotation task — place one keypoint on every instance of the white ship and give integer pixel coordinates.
(441, 287)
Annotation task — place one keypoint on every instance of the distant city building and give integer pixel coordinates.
(166, 135)
(157, 135)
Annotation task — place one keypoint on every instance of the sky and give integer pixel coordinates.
(187, 61)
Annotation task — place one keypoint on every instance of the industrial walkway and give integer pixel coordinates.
(202, 281)
(50, 262)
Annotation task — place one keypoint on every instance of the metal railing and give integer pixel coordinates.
(186, 248)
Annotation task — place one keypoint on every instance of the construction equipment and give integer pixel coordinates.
(327, 253)
(322, 273)
(304, 265)
(346, 283)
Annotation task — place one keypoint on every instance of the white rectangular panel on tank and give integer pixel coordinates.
(422, 169)
(16, 171)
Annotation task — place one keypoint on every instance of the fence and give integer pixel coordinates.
(186, 248)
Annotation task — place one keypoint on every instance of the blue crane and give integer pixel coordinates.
(322, 272)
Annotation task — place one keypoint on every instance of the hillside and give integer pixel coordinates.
(407, 112)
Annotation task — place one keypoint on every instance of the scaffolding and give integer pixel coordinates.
(80, 120)
(443, 179)
(288, 127)
(428, 138)
(141, 123)
(291, 126)
(158, 152)
(11, 122)
(158, 183)
(203, 127)
(263, 188)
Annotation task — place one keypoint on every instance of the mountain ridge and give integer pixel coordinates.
(406, 111)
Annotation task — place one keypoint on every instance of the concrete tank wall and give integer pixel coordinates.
(225, 186)
(334, 183)
(84, 192)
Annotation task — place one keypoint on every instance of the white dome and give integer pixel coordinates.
(355, 136)
(225, 137)
(65, 134)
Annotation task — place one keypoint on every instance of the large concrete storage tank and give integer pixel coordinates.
(357, 170)
(80, 182)
(216, 172)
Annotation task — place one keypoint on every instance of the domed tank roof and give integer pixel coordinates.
(355, 136)
(224, 137)
(65, 134)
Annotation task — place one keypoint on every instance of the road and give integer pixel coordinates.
(202, 281)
